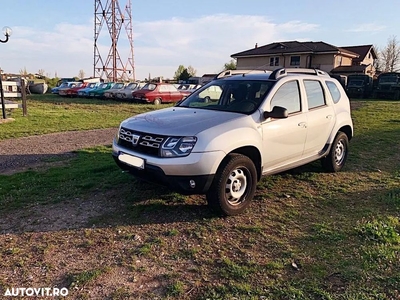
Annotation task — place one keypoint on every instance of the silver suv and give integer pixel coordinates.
(222, 138)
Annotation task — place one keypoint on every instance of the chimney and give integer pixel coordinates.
(256, 46)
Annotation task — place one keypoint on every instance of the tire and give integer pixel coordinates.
(234, 186)
(337, 156)
(207, 99)
(157, 101)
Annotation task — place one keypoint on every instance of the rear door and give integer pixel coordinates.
(174, 93)
(164, 93)
(320, 117)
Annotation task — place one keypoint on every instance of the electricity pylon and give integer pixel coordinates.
(108, 15)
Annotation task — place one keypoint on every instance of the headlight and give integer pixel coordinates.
(178, 146)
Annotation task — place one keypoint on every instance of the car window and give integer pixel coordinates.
(150, 86)
(288, 96)
(334, 90)
(171, 88)
(240, 96)
(163, 88)
(315, 93)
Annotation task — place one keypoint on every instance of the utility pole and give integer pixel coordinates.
(108, 14)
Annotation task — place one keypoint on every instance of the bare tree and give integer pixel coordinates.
(378, 65)
(391, 55)
(192, 71)
(41, 72)
(23, 72)
(81, 74)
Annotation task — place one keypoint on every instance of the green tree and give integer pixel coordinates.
(179, 71)
(185, 75)
(231, 65)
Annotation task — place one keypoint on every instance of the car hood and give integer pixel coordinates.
(179, 121)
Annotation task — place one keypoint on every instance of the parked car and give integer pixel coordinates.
(359, 85)
(85, 91)
(62, 90)
(100, 90)
(55, 90)
(388, 86)
(67, 90)
(187, 89)
(111, 93)
(157, 93)
(126, 93)
(261, 124)
(73, 92)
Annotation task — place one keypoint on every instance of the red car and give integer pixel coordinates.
(73, 92)
(157, 93)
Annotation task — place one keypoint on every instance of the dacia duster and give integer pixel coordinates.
(222, 138)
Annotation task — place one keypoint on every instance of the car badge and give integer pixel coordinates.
(135, 139)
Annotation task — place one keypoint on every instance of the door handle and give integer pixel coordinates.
(302, 124)
(329, 117)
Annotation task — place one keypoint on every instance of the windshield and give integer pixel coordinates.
(356, 83)
(388, 79)
(118, 86)
(243, 96)
(132, 86)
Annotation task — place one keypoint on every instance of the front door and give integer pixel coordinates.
(283, 139)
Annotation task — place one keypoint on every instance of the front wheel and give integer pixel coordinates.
(234, 185)
(337, 156)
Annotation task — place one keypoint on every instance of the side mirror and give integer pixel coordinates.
(277, 112)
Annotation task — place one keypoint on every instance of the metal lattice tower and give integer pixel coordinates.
(108, 14)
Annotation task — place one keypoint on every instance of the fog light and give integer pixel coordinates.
(192, 184)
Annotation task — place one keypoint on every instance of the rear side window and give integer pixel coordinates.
(315, 93)
(334, 90)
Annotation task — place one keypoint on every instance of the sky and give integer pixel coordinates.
(58, 36)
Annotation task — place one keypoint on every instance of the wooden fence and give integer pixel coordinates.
(12, 89)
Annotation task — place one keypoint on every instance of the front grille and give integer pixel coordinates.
(141, 142)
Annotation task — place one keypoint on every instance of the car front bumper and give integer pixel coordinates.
(192, 174)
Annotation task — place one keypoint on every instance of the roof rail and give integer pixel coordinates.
(285, 71)
(227, 73)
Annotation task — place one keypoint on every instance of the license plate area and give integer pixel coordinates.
(131, 160)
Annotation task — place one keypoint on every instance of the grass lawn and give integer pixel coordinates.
(307, 235)
(51, 113)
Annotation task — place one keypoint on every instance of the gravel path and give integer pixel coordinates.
(30, 152)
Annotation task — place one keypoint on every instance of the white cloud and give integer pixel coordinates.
(368, 27)
(205, 43)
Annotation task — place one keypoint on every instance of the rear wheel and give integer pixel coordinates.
(157, 101)
(234, 185)
(337, 156)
